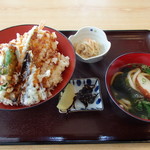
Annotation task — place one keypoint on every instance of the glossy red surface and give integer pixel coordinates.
(120, 62)
(64, 46)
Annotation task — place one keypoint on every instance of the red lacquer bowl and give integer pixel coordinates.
(64, 46)
(119, 62)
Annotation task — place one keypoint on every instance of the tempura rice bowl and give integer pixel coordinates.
(65, 50)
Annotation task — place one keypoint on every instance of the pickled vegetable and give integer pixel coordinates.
(66, 98)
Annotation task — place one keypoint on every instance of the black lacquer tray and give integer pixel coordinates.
(45, 125)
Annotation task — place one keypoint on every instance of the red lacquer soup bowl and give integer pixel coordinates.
(64, 46)
(129, 59)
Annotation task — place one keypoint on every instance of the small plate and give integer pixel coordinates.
(78, 106)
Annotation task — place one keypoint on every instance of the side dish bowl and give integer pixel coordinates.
(138, 106)
(92, 33)
(64, 46)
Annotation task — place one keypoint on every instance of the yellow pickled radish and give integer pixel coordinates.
(66, 99)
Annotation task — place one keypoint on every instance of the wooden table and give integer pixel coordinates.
(72, 15)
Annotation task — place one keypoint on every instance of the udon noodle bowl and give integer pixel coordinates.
(131, 88)
(31, 67)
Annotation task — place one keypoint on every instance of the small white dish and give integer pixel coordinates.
(93, 33)
(78, 106)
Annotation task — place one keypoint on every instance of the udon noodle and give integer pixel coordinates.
(131, 88)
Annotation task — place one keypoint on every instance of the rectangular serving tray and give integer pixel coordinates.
(45, 125)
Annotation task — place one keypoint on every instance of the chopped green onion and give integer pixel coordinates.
(145, 69)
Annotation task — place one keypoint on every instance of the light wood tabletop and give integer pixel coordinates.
(72, 15)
